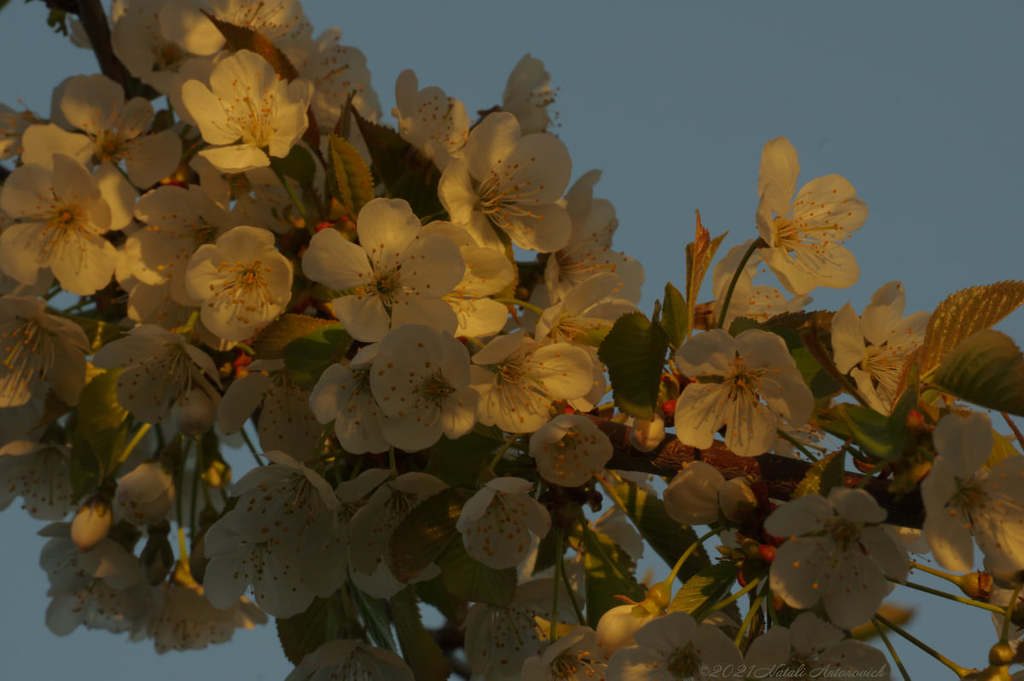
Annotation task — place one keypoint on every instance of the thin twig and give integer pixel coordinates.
(94, 21)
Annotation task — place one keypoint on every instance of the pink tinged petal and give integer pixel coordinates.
(804, 515)
(334, 261)
(798, 572)
(691, 498)
(856, 505)
(706, 353)
(848, 348)
(776, 182)
(208, 111)
(386, 227)
(363, 316)
(544, 227)
(21, 251)
(238, 158)
(241, 400)
(151, 158)
(853, 589)
(565, 371)
(949, 535)
(41, 142)
(700, 411)
(455, 189)
(964, 441)
(492, 141)
(92, 103)
(118, 195)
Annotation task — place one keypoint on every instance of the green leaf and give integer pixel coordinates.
(99, 420)
(425, 532)
(873, 432)
(375, 615)
(404, 171)
(963, 314)
(419, 648)
(308, 356)
(298, 165)
(609, 572)
(676, 320)
(986, 369)
(352, 179)
(470, 580)
(668, 538)
(823, 475)
(634, 352)
(270, 342)
(303, 633)
(704, 589)
(459, 462)
(242, 38)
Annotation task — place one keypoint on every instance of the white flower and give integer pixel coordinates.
(247, 100)
(12, 126)
(813, 644)
(184, 620)
(281, 537)
(804, 233)
(674, 647)
(572, 657)
(569, 450)
(760, 388)
(337, 72)
(61, 217)
(437, 125)
(497, 521)
(512, 179)
(350, 660)
(837, 552)
(395, 276)
(38, 473)
(420, 379)
(342, 394)
(589, 249)
(528, 93)
(285, 423)
(618, 626)
(877, 365)
(38, 347)
(523, 378)
(585, 312)
(159, 368)
(691, 498)
(754, 302)
(962, 497)
(95, 104)
(145, 495)
(242, 281)
(282, 21)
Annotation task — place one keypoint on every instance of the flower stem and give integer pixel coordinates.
(1014, 428)
(501, 452)
(952, 597)
(249, 444)
(953, 579)
(754, 245)
(892, 651)
(196, 472)
(751, 585)
(796, 443)
(521, 303)
(139, 434)
(689, 552)
(755, 607)
(960, 671)
(1008, 613)
(291, 195)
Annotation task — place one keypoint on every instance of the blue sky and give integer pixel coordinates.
(918, 104)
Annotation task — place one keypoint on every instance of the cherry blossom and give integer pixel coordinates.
(573, 657)
(674, 647)
(184, 620)
(38, 473)
(429, 120)
(569, 450)
(528, 94)
(145, 495)
(497, 521)
(342, 394)
(753, 302)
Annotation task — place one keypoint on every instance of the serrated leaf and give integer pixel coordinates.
(609, 573)
(676, 319)
(242, 38)
(303, 633)
(97, 331)
(963, 314)
(352, 179)
(704, 589)
(873, 432)
(419, 648)
(376, 618)
(986, 369)
(404, 171)
(823, 475)
(308, 356)
(270, 342)
(634, 352)
(668, 538)
(298, 165)
(698, 259)
(469, 579)
(425, 532)
(99, 419)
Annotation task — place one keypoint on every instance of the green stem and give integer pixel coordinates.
(251, 446)
(796, 443)
(291, 195)
(1013, 426)
(734, 597)
(892, 651)
(756, 244)
(192, 502)
(521, 303)
(560, 549)
(187, 328)
(952, 597)
(1008, 613)
(949, 577)
(960, 671)
(247, 349)
(689, 552)
(501, 452)
(755, 607)
(139, 434)
(392, 464)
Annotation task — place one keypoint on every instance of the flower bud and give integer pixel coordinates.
(737, 500)
(647, 434)
(617, 626)
(145, 496)
(91, 524)
(692, 496)
(196, 412)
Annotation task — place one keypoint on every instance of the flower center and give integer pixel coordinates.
(683, 663)
(843, 532)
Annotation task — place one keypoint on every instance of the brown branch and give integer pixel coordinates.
(94, 21)
(780, 474)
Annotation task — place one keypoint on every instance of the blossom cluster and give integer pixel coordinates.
(454, 394)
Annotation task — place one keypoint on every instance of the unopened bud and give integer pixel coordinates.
(617, 626)
(1000, 654)
(737, 500)
(91, 524)
(647, 434)
(145, 495)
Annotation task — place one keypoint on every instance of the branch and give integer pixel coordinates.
(94, 21)
(780, 474)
